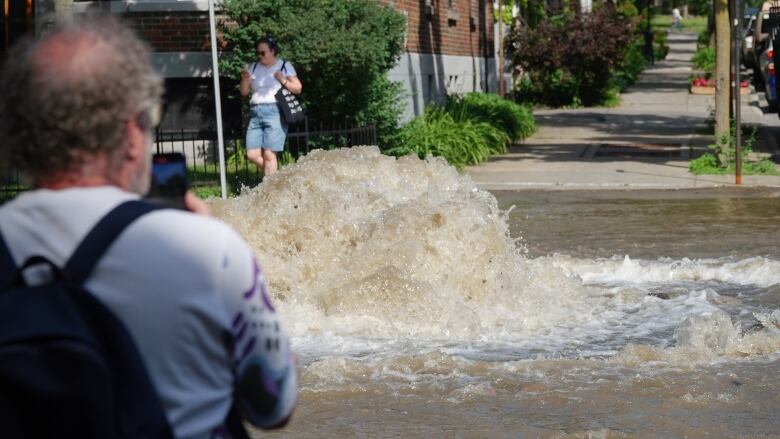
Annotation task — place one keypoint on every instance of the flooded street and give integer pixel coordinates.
(693, 223)
(421, 306)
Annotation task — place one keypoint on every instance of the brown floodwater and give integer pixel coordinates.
(421, 306)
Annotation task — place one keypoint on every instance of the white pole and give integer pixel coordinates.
(217, 99)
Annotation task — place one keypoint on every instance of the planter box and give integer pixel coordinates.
(710, 90)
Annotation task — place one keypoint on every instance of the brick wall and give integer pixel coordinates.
(172, 31)
(465, 29)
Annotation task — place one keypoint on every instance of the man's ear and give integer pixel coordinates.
(137, 132)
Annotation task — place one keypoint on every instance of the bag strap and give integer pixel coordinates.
(100, 238)
(234, 423)
(7, 265)
(254, 66)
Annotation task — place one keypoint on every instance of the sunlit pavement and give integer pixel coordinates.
(645, 143)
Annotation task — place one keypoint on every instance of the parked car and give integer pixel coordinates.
(748, 59)
(769, 79)
(761, 30)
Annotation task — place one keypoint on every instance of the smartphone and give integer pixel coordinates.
(169, 179)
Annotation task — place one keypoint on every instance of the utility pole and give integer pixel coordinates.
(722, 69)
(737, 93)
(501, 86)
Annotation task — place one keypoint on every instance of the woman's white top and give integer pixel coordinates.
(264, 85)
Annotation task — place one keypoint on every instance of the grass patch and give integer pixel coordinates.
(691, 24)
(716, 163)
(205, 183)
(707, 164)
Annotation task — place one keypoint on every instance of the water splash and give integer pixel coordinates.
(365, 252)
(356, 242)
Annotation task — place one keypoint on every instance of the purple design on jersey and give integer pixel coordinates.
(238, 319)
(251, 291)
(266, 299)
(249, 345)
(241, 331)
(271, 386)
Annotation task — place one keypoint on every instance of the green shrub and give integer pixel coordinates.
(633, 63)
(467, 131)
(660, 48)
(703, 40)
(704, 59)
(461, 143)
(628, 10)
(568, 60)
(513, 119)
(702, 7)
(706, 164)
(718, 162)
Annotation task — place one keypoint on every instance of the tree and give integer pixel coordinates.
(341, 50)
(569, 60)
(722, 77)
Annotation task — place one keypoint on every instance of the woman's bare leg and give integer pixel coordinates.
(269, 162)
(255, 156)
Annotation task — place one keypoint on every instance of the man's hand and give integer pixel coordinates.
(195, 204)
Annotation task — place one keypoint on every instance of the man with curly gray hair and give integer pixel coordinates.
(80, 93)
(77, 114)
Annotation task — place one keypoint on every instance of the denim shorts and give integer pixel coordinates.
(266, 129)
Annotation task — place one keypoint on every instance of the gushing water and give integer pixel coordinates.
(399, 277)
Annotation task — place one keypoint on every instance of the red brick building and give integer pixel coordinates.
(449, 48)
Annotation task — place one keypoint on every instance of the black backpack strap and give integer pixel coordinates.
(254, 66)
(234, 423)
(7, 265)
(100, 238)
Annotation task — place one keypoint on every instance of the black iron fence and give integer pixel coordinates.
(201, 150)
(11, 183)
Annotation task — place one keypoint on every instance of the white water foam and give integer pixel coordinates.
(368, 255)
(759, 271)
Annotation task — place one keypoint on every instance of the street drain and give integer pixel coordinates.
(629, 150)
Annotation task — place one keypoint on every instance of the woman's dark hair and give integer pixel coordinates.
(270, 41)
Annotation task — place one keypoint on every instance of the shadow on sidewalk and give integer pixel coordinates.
(611, 129)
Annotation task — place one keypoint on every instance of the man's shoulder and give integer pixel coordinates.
(185, 228)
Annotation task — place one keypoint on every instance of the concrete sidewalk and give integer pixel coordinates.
(644, 143)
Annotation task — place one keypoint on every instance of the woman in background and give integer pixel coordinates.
(266, 132)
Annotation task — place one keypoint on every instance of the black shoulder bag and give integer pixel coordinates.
(290, 108)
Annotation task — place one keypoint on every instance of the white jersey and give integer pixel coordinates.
(264, 84)
(187, 288)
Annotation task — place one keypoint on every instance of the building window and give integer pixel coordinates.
(452, 14)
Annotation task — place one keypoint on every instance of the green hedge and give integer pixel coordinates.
(467, 131)
(341, 50)
(515, 120)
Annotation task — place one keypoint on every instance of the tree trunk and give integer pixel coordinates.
(722, 68)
